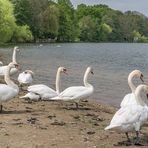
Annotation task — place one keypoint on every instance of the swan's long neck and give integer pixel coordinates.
(14, 56)
(85, 79)
(9, 81)
(138, 97)
(58, 82)
(130, 82)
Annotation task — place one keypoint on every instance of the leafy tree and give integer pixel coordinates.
(7, 21)
(50, 21)
(28, 11)
(59, 20)
(22, 34)
(22, 11)
(97, 24)
(137, 37)
(105, 29)
(67, 22)
(88, 29)
(37, 7)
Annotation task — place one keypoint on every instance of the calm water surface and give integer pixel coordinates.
(111, 62)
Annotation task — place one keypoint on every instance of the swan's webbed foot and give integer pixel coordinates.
(137, 141)
(128, 139)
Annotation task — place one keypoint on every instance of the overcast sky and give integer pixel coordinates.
(123, 5)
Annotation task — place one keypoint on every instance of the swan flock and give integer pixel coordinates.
(131, 115)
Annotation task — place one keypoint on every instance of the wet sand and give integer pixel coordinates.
(50, 124)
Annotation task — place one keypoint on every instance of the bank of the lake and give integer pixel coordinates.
(59, 125)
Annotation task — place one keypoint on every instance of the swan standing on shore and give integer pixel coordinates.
(26, 77)
(130, 98)
(131, 118)
(14, 70)
(44, 92)
(10, 89)
(77, 92)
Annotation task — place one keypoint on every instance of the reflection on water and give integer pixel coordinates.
(111, 63)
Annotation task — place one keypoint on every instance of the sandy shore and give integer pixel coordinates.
(43, 124)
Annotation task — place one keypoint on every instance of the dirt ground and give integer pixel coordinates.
(49, 124)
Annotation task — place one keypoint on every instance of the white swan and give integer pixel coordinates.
(77, 92)
(14, 70)
(130, 98)
(26, 77)
(131, 118)
(14, 54)
(10, 89)
(44, 92)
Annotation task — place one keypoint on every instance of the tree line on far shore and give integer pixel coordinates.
(59, 21)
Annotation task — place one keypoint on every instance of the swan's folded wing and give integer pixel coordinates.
(129, 99)
(75, 92)
(72, 91)
(40, 89)
(37, 86)
(127, 115)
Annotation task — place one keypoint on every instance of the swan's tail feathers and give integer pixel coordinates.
(112, 127)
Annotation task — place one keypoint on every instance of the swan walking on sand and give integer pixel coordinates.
(44, 92)
(26, 77)
(77, 92)
(131, 118)
(10, 89)
(130, 98)
(14, 70)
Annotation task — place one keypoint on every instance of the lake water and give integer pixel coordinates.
(111, 62)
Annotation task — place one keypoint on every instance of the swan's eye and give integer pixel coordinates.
(92, 72)
(25, 72)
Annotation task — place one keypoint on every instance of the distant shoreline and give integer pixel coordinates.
(14, 44)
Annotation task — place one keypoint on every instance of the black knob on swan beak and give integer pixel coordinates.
(141, 77)
(147, 96)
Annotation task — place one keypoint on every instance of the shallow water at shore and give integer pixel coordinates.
(111, 62)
